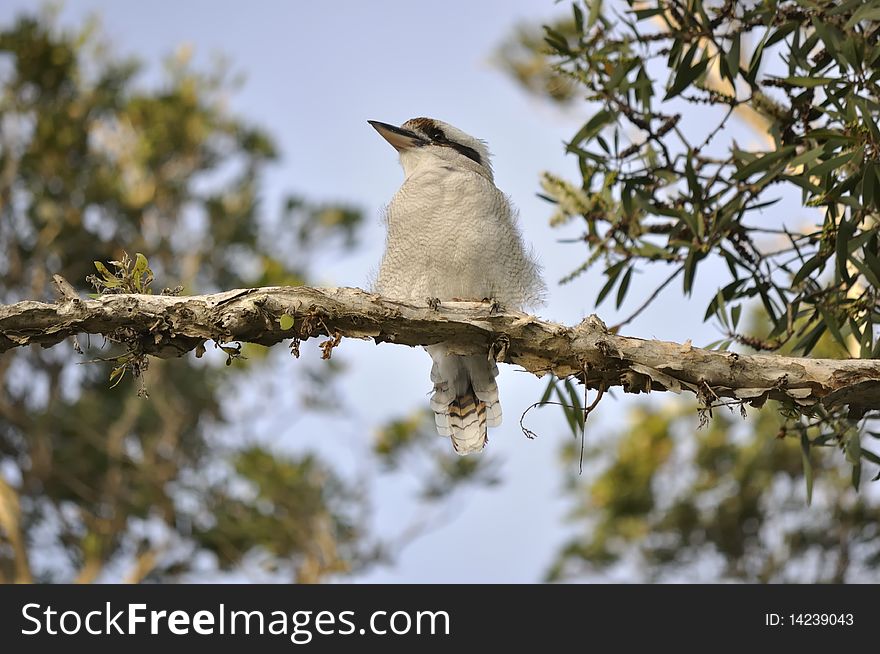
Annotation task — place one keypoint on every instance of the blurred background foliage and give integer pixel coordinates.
(99, 483)
(94, 164)
(660, 189)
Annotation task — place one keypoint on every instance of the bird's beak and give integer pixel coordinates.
(400, 139)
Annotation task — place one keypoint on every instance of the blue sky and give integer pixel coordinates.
(315, 73)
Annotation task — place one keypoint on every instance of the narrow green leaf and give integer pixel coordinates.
(869, 181)
(806, 157)
(721, 309)
(869, 455)
(118, 374)
(595, 12)
(612, 273)
(592, 127)
(575, 397)
(808, 467)
(865, 269)
(578, 17)
(763, 163)
(869, 120)
(101, 268)
(624, 286)
(832, 325)
(866, 346)
(873, 263)
(807, 82)
(551, 386)
(836, 162)
(642, 14)
(733, 55)
(854, 456)
(568, 411)
(685, 77)
(845, 231)
(806, 344)
(868, 12)
(783, 31)
(690, 267)
(734, 315)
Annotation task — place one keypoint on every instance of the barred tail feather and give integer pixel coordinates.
(465, 400)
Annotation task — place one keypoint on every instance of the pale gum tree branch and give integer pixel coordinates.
(168, 326)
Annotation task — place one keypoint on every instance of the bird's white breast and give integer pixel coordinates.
(445, 234)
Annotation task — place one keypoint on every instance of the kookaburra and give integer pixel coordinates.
(452, 235)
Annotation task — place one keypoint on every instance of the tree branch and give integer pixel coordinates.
(168, 326)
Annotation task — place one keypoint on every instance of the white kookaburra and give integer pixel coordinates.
(452, 235)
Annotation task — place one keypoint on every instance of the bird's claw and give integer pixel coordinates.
(494, 305)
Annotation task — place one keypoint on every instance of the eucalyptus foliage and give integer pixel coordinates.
(665, 182)
(98, 481)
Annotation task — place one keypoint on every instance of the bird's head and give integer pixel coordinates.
(422, 139)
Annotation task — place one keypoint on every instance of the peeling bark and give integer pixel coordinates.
(169, 326)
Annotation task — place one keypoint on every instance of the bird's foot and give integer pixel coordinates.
(494, 305)
(433, 303)
(498, 349)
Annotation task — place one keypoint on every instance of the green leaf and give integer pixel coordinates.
(806, 344)
(807, 82)
(721, 309)
(578, 17)
(286, 321)
(866, 269)
(866, 344)
(592, 127)
(807, 157)
(642, 14)
(621, 71)
(140, 269)
(783, 31)
(763, 163)
(832, 325)
(854, 456)
(869, 181)
(612, 273)
(686, 75)
(869, 455)
(575, 398)
(869, 120)
(551, 386)
(690, 268)
(845, 231)
(733, 55)
(836, 162)
(595, 12)
(868, 12)
(117, 373)
(808, 467)
(873, 263)
(567, 410)
(624, 285)
(556, 40)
